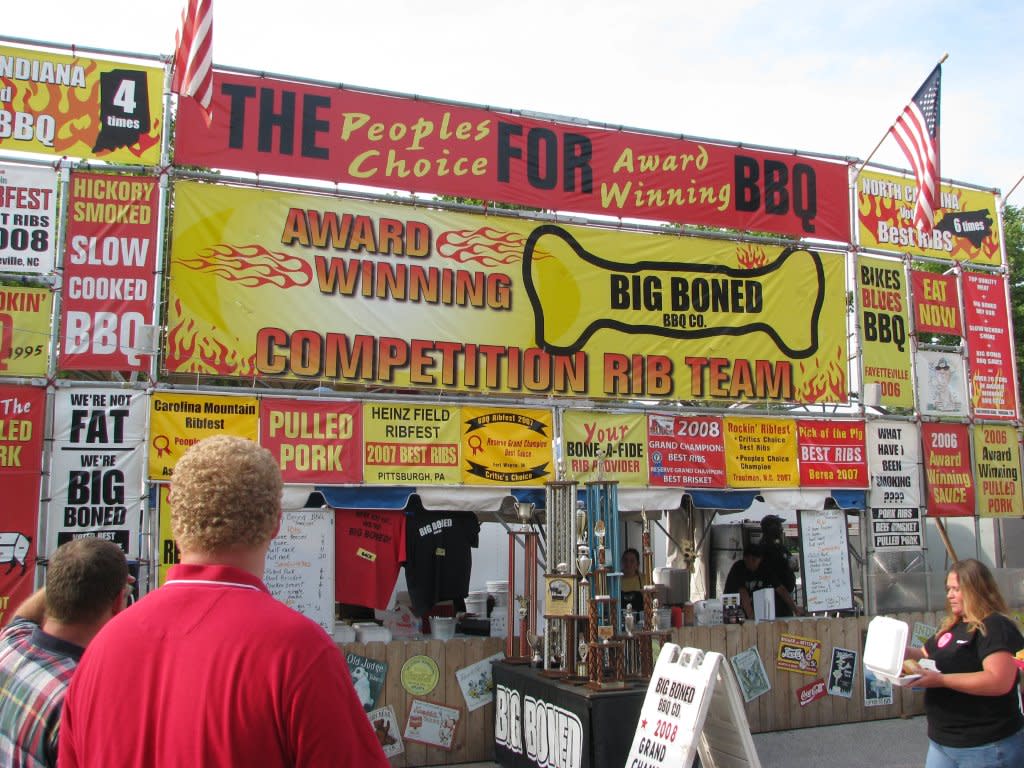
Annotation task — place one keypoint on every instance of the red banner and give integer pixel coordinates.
(832, 454)
(990, 346)
(314, 442)
(322, 132)
(936, 309)
(22, 416)
(685, 451)
(948, 469)
(109, 272)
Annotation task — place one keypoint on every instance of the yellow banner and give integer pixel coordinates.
(612, 445)
(885, 329)
(365, 294)
(761, 453)
(24, 330)
(997, 471)
(80, 107)
(506, 446)
(169, 553)
(178, 421)
(966, 226)
(411, 443)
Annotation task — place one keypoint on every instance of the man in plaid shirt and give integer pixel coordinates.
(87, 582)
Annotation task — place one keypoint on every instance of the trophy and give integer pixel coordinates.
(584, 562)
(630, 620)
(600, 586)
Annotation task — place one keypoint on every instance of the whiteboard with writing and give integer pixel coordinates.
(300, 564)
(825, 560)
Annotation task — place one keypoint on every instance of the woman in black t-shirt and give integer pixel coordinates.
(973, 711)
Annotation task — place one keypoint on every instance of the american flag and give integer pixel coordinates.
(917, 131)
(193, 55)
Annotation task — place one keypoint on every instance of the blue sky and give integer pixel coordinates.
(815, 76)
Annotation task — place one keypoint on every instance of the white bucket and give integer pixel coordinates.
(442, 627)
(499, 591)
(476, 603)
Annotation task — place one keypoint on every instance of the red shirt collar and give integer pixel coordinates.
(225, 574)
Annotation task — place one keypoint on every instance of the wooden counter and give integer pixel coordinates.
(778, 709)
(474, 737)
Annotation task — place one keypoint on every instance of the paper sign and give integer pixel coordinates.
(798, 654)
(841, 672)
(432, 724)
(877, 691)
(420, 675)
(367, 677)
(385, 727)
(810, 692)
(476, 682)
(750, 673)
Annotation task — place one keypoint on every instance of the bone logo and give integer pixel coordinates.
(676, 300)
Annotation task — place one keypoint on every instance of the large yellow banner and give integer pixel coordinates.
(25, 314)
(761, 453)
(885, 329)
(178, 421)
(277, 284)
(605, 446)
(506, 446)
(80, 107)
(406, 443)
(997, 471)
(966, 225)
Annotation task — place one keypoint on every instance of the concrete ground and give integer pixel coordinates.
(895, 743)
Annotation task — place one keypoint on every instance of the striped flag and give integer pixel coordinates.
(917, 132)
(193, 55)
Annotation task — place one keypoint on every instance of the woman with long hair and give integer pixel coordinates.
(971, 701)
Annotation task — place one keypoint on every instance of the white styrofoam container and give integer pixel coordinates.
(764, 604)
(885, 647)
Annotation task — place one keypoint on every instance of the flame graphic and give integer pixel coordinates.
(827, 383)
(977, 393)
(251, 265)
(191, 349)
(76, 108)
(885, 210)
(751, 256)
(487, 246)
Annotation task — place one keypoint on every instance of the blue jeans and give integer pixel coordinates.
(1006, 753)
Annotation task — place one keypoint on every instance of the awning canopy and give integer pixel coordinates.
(501, 501)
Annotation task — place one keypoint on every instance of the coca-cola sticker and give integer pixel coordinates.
(810, 692)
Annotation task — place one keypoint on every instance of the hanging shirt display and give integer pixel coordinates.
(438, 559)
(369, 549)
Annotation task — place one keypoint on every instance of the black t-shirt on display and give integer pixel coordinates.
(438, 558)
(958, 719)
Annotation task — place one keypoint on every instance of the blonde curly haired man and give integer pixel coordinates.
(210, 669)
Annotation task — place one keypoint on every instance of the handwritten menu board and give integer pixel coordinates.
(300, 565)
(825, 560)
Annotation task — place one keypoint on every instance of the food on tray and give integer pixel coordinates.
(911, 667)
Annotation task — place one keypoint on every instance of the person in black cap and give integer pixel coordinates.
(775, 568)
(745, 577)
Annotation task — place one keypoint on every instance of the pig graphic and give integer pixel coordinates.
(14, 548)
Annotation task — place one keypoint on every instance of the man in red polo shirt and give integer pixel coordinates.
(210, 669)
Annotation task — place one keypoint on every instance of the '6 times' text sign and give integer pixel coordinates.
(320, 132)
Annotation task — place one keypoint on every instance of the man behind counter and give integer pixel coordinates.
(745, 578)
(775, 567)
